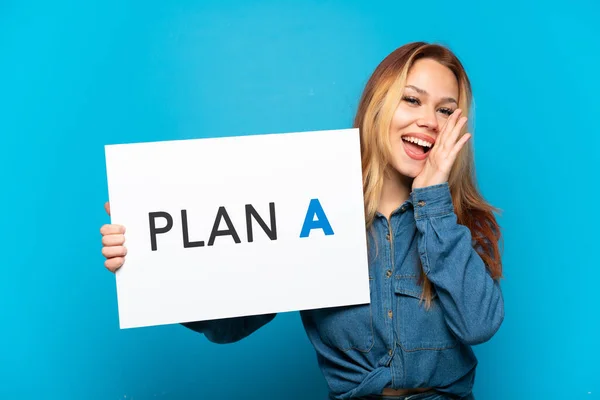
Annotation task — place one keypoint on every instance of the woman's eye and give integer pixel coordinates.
(417, 102)
(411, 100)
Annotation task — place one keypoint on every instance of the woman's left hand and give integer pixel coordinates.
(443, 154)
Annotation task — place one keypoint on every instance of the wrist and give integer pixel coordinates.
(428, 182)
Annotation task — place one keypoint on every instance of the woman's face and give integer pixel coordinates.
(430, 96)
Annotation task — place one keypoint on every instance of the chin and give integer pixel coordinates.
(408, 168)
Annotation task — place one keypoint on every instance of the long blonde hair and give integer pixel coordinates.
(379, 100)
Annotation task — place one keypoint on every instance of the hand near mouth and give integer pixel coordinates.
(443, 154)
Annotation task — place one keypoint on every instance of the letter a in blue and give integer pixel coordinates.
(314, 208)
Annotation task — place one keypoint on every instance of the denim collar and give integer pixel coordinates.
(400, 209)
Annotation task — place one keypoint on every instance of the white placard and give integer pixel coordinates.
(211, 263)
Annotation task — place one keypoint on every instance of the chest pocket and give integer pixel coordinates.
(419, 328)
(346, 328)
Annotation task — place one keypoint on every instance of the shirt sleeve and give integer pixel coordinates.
(229, 330)
(471, 299)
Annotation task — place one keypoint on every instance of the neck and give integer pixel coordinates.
(395, 191)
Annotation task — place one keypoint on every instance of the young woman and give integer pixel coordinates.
(434, 260)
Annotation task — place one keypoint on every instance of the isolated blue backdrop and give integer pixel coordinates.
(75, 76)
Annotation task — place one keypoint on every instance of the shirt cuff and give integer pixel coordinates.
(432, 201)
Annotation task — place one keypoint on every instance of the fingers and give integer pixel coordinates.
(459, 145)
(114, 251)
(113, 264)
(450, 122)
(112, 229)
(107, 207)
(449, 133)
(113, 240)
(455, 132)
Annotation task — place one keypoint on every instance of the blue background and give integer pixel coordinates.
(75, 76)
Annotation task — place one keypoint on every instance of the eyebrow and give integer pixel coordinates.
(424, 92)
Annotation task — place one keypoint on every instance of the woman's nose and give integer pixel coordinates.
(429, 121)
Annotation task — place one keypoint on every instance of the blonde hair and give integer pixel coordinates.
(377, 105)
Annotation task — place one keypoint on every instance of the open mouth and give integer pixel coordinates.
(416, 148)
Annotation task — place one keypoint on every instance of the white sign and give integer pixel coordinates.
(238, 226)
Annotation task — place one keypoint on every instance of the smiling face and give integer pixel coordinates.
(430, 96)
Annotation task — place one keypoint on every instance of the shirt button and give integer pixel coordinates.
(388, 273)
(403, 208)
(390, 352)
(421, 203)
(387, 237)
(390, 313)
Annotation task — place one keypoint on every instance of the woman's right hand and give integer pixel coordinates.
(113, 240)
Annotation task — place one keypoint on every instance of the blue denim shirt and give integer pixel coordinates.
(394, 342)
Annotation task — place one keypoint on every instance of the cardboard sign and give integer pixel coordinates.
(238, 226)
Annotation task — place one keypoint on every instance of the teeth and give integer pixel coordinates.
(417, 141)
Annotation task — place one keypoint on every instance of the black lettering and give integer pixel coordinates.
(251, 212)
(154, 230)
(186, 237)
(222, 213)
